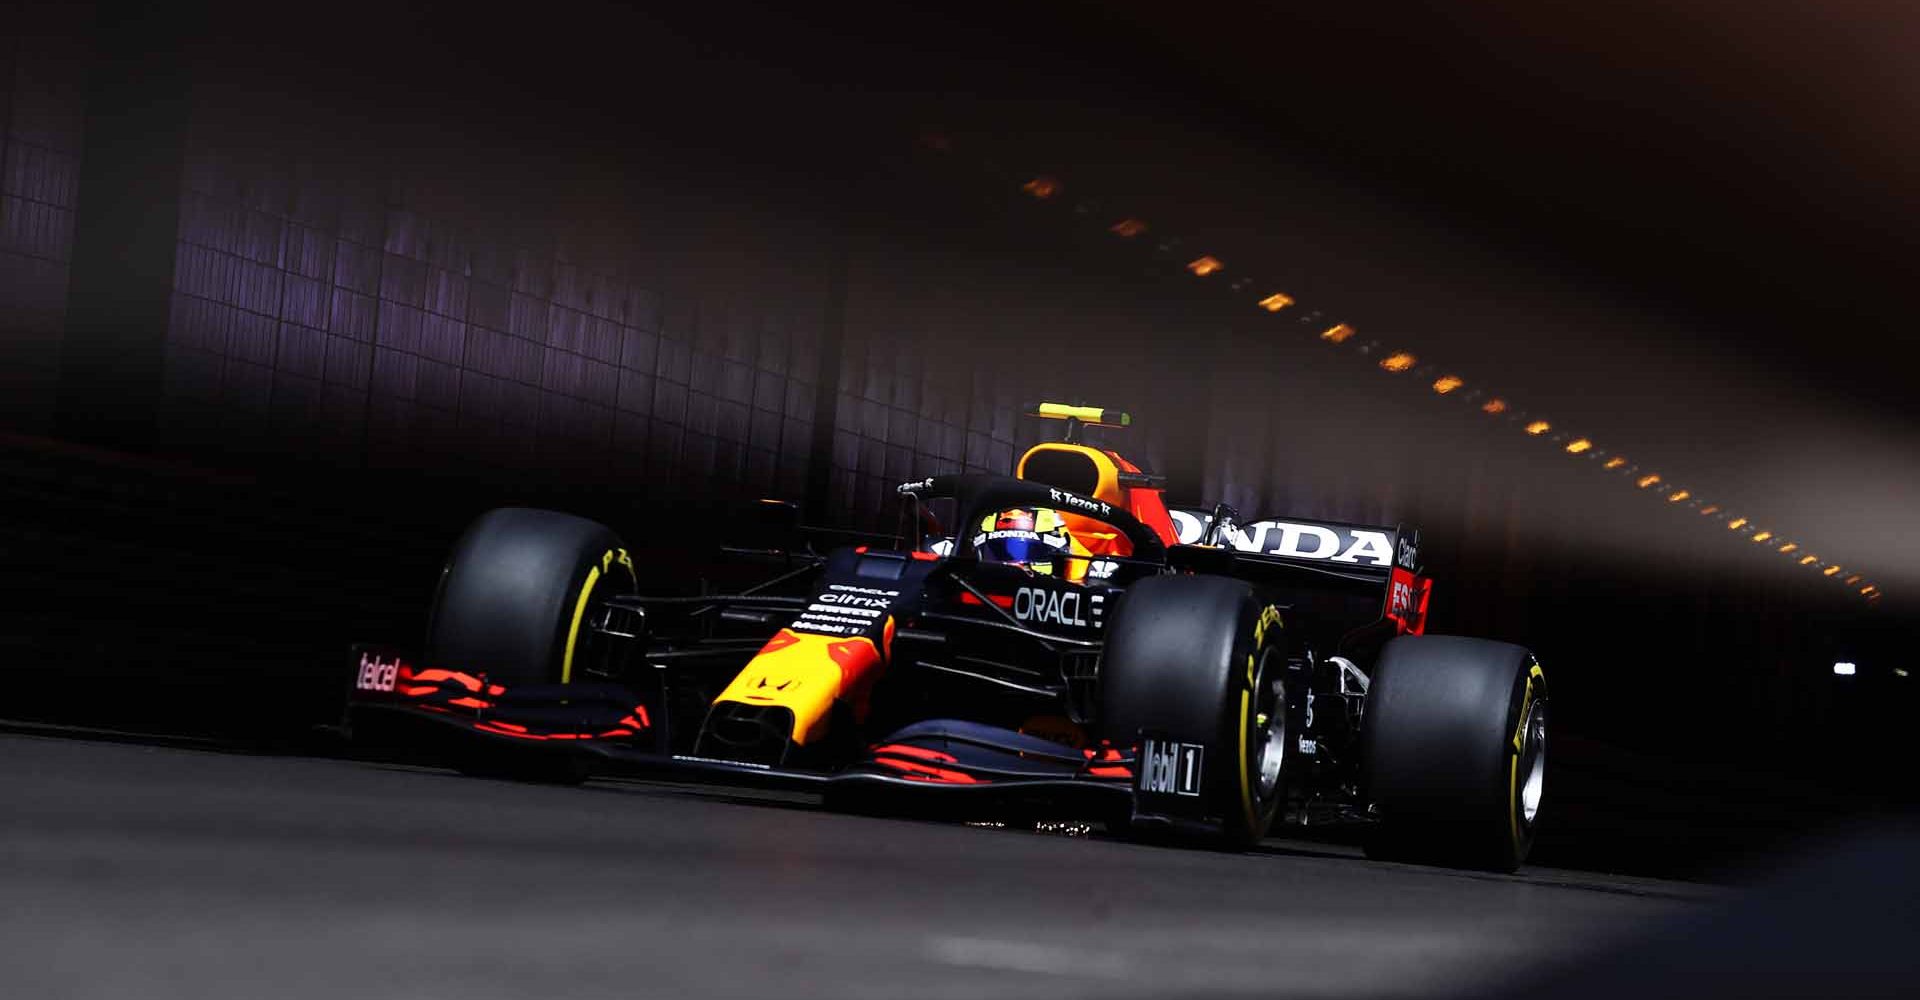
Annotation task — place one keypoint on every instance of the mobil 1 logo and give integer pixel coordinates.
(1168, 768)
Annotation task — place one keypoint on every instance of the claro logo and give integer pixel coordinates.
(1409, 557)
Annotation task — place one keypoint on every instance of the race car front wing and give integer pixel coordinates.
(614, 728)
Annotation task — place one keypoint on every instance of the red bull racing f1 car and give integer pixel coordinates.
(1058, 643)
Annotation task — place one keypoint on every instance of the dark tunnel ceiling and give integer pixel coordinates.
(1749, 165)
(1733, 183)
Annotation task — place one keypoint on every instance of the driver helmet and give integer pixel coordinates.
(1033, 537)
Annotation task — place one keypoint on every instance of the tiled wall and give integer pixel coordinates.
(374, 309)
(916, 395)
(368, 309)
(356, 308)
(42, 81)
(946, 350)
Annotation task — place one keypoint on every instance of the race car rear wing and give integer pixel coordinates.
(1352, 571)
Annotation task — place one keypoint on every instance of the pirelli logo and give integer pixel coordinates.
(1168, 768)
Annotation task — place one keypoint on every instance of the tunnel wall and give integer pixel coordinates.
(42, 75)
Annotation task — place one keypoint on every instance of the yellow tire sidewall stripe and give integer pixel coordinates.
(1246, 786)
(1513, 798)
(1269, 615)
(1519, 747)
(573, 631)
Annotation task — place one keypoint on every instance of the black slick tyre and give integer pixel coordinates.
(515, 593)
(513, 604)
(1195, 663)
(1453, 747)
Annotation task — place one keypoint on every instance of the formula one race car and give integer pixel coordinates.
(1055, 644)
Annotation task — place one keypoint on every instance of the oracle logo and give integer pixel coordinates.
(1038, 604)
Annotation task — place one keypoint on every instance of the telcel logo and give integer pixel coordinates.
(377, 674)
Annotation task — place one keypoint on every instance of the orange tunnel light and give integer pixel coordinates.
(1647, 480)
(1398, 362)
(1128, 228)
(1809, 560)
(1789, 547)
(1203, 266)
(1615, 462)
(1576, 447)
(1762, 536)
(1855, 578)
(1709, 510)
(1678, 495)
(1538, 428)
(1042, 187)
(1447, 383)
(1494, 406)
(1337, 334)
(1830, 571)
(1276, 302)
(1736, 524)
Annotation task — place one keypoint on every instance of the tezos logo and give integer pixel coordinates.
(1091, 506)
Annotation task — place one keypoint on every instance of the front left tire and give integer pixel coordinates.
(515, 595)
(514, 604)
(1198, 662)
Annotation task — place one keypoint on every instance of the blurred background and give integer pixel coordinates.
(1612, 303)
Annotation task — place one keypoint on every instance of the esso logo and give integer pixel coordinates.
(1400, 599)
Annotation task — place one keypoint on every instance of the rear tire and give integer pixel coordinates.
(1454, 749)
(1197, 660)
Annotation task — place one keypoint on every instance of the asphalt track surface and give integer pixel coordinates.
(160, 872)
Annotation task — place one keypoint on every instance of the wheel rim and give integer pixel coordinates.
(1533, 763)
(1270, 749)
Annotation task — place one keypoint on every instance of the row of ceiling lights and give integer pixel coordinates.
(1453, 386)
